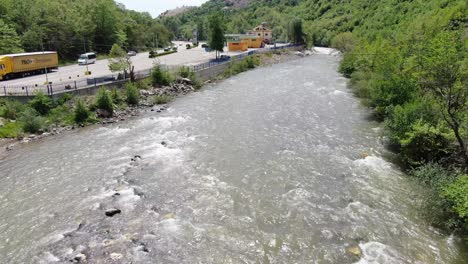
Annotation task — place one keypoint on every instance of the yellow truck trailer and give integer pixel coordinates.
(25, 64)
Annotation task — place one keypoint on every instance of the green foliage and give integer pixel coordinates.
(61, 115)
(152, 54)
(31, 121)
(116, 97)
(343, 42)
(296, 32)
(216, 35)
(41, 103)
(132, 93)
(160, 76)
(104, 101)
(11, 109)
(81, 113)
(438, 210)
(11, 43)
(186, 72)
(11, 130)
(64, 98)
(161, 99)
(457, 193)
(236, 67)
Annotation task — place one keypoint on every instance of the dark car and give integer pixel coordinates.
(167, 49)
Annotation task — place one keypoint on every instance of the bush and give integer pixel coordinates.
(162, 99)
(143, 84)
(160, 76)
(457, 193)
(31, 121)
(104, 101)
(438, 210)
(132, 93)
(116, 97)
(64, 98)
(152, 54)
(61, 115)
(41, 103)
(188, 46)
(185, 72)
(11, 130)
(11, 109)
(81, 113)
(204, 45)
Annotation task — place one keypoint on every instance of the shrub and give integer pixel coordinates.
(152, 54)
(31, 121)
(11, 130)
(252, 62)
(457, 193)
(64, 98)
(162, 99)
(143, 84)
(188, 46)
(185, 72)
(61, 114)
(104, 101)
(438, 209)
(160, 76)
(132, 93)
(41, 103)
(116, 97)
(204, 45)
(11, 109)
(81, 113)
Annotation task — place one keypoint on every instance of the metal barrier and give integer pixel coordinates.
(61, 87)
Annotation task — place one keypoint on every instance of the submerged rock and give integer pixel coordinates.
(354, 250)
(112, 212)
(80, 257)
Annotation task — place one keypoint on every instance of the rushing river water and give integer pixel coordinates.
(277, 165)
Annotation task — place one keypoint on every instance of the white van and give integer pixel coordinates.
(88, 58)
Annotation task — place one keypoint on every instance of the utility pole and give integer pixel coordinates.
(84, 47)
(46, 76)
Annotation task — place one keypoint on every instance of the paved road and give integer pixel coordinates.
(100, 68)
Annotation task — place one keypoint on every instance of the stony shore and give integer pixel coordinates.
(180, 87)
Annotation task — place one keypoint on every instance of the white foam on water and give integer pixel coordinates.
(47, 257)
(338, 92)
(374, 163)
(325, 51)
(127, 198)
(377, 253)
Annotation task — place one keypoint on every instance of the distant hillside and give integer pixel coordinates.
(176, 11)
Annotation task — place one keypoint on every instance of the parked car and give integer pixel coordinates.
(132, 53)
(224, 57)
(167, 49)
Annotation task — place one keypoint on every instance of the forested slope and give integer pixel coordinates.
(71, 27)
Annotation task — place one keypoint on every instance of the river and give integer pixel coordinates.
(276, 165)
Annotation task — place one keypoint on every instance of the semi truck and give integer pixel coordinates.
(25, 64)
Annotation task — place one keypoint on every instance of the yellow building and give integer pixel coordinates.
(236, 45)
(263, 32)
(239, 42)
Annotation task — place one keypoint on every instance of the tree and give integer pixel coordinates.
(10, 42)
(121, 62)
(443, 75)
(343, 42)
(201, 35)
(296, 33)
(216, 38)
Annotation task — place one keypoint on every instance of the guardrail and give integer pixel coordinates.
(62, 87)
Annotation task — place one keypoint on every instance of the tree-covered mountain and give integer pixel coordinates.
(73, 27)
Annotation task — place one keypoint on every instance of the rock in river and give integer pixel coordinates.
(112, 212)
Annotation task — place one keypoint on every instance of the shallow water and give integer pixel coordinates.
(277, 165)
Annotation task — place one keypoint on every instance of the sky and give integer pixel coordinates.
(156, 7)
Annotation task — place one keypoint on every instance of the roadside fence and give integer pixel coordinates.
(66, 86)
